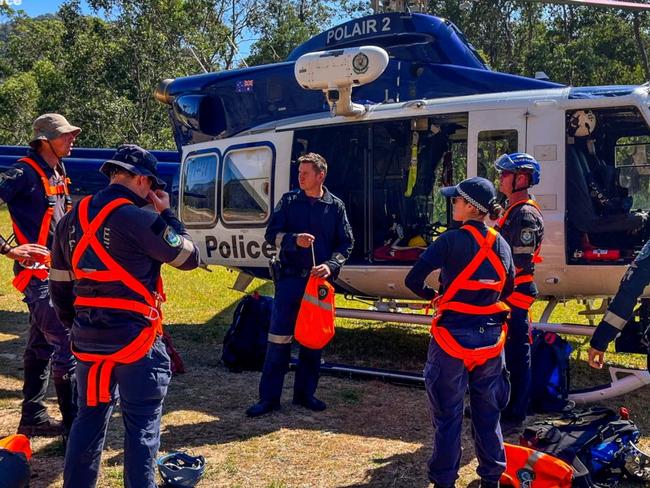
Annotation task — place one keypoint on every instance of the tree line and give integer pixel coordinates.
(100, 69)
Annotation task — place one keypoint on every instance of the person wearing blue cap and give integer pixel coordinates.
(106, 287)
(468, 333)
(522, 226)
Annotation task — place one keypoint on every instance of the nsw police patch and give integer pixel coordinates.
(172, 238)
(527, 236)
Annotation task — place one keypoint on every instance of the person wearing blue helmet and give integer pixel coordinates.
(522, 227)
(468, 333)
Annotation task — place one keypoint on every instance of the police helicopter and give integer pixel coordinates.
(401, 104)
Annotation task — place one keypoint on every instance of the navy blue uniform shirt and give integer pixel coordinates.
(524, 231)
(451, 252)
(324, 218)
(139, 240)
(22, 190)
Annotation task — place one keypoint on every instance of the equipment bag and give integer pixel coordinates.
(315, 322)
(244, 346)
(15, 453)
(550, 372)
(528, 468)
(597, 442)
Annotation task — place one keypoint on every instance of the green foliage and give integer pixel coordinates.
(101, 70)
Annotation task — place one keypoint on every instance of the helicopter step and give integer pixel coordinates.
(623, 381)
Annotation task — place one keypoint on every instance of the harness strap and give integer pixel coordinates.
(40, 271)
(519, 299)
(472, 357)
(99, 375)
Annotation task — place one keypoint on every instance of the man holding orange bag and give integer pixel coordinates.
(310, 229)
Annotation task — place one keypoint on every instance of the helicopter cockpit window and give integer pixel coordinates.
(491, 145)
(607, 184)
(246, 185)
(199, 203)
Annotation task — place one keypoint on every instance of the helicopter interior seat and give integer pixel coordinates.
(582, 213)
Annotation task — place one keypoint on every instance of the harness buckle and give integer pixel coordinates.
(153, 315)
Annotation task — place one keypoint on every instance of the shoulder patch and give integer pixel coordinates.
(527, 236)
(172, 238)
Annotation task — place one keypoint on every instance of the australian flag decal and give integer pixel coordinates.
(244, 86)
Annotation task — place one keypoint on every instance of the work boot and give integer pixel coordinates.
(511, 427)
(312, 403)
(262, 408)
(34, 420)
(66, 393)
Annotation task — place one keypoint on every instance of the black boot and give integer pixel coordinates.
(66, 393)
(34, 420)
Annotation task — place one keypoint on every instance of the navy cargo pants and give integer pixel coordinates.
(48, 340)
(286, 304)
(518, 364)
(141, 388)
(446, 381)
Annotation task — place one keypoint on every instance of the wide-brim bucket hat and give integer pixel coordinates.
(50, 126)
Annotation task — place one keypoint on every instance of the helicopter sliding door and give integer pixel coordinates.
(492, 133)
(389, 174)
(227, 192)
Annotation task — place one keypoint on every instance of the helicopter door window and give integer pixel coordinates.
(491, 145)
(199, 203)
(632, 159)
(246, 185)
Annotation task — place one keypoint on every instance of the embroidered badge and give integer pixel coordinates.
(172, 238)
(527, 236)
(322, 292)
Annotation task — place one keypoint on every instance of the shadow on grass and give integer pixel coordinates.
(407, 469)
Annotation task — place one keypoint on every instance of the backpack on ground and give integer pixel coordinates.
(597, 442)
(244, 346)
(550, 372)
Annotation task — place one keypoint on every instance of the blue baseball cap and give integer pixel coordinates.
(476, 190)
(135, 160)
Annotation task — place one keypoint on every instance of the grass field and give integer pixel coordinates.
(373, 434)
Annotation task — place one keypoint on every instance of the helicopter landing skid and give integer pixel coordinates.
(623, 380)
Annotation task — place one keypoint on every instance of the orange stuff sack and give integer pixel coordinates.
(15, 452)
(315, 322)
(528, 468)
(17, 443)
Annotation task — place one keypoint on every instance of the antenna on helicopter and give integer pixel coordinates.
(384, 6)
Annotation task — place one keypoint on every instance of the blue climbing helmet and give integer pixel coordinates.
(519, 162)
(180, 470)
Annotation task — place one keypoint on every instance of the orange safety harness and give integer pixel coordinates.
(149, 307)
(518, 299)
(40, 270)
(478, 356)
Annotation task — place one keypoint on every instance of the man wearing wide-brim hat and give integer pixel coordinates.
(35, 190)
